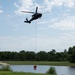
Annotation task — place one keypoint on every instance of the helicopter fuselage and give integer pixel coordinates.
(36, 16)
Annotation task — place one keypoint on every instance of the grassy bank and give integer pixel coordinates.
(19, 73)
(40, 63)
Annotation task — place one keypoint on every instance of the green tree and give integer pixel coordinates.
(22, 55)
(58, 56)
(41, 56)
(52, 55)
(30, 56)
(72, 58)
(71, 52)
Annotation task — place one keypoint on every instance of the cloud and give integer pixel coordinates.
(66, 23)
(24, 5)
(68, 39)
(28, 43)
(58, 3)
(1, 11)
(44, 43)
(68, 3)
(16, 43)
(58, 43)
(46, 5)
(27, 5)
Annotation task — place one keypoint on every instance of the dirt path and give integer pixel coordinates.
(2, 63)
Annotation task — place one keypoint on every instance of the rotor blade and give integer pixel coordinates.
(36, 9)
(27, 12)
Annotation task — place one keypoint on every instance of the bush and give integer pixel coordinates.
(52, 71)
(5, 68)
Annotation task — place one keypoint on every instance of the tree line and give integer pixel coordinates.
(66, 55)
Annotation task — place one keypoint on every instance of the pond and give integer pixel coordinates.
(61, 70)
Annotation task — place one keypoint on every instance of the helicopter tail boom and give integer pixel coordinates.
(27, 21)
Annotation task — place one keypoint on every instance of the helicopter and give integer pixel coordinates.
(35, 16)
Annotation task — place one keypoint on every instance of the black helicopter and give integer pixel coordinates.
(35, 15)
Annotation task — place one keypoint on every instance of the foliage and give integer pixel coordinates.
(41, 56)
(5, 68)
(32, 56)
(52, 71)
(52, 55)
(71, 52)
(72, 58)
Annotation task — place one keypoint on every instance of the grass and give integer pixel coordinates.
(39, 63)
(19, 73)
(5, 68)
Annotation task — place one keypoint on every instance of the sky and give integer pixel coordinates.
(55, 30)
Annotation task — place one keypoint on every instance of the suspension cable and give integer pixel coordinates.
(36, 37)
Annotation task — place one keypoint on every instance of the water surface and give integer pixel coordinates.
(61, 70)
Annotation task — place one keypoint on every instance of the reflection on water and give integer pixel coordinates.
(71, 70)
(61, 70)
(30, 68)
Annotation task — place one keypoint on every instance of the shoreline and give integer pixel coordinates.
(39, 63)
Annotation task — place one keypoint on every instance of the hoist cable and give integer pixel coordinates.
(36, 37)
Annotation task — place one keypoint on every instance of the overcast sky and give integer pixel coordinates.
(55, 30)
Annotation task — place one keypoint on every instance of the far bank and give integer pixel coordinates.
(39, 63)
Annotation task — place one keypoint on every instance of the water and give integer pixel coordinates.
(61, 70)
